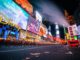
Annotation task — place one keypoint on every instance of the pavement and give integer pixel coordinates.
(47, 52)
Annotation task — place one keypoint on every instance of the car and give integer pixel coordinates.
(73, 43)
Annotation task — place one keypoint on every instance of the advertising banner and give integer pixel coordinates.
(38, 16)
(15, 13)
(75, 29)
(33, 25)
(26, 5)
(42, 30)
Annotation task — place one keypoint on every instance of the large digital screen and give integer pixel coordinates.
(15, 13)
(38, 16)
(33, 25)
(26, 5)
(42, 31)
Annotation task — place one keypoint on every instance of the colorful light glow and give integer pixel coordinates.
(57, 30)
(15, 14)
(70, 31)
(33, 25)
(23, 34)
(75, 37)
(73, 32)
(38, 16)
(42, 31)
(26, 5)
(57, 27)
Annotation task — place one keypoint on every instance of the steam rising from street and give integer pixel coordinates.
(52, 13)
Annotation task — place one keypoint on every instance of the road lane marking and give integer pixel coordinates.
(46, 52)
(35, 54)
(69, 52)
(27, 58)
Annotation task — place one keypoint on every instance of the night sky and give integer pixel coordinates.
(70, 5)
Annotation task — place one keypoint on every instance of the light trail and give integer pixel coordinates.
(23, 49)
(52, 13)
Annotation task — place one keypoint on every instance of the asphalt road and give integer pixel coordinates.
(52, 52)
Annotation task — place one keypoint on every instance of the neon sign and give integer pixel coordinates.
(26, 5)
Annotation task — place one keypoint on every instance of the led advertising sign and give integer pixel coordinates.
(38, 16)
(42, 30)
(15, 13)
(26, 5)
(33, 25)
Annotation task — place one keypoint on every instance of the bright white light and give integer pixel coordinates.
(57, 31)
(50, 34)
(38, 16)
(22, 34)
(75, 29)
(45, 36)
(46, 31)
(57, 27)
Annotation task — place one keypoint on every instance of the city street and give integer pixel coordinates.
(52, 52)
(39, 29)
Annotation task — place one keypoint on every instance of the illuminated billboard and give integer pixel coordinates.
(15, 14)
(38, 16)
(33, 25)
(42, 30)
(73, 30)
(26, 5)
